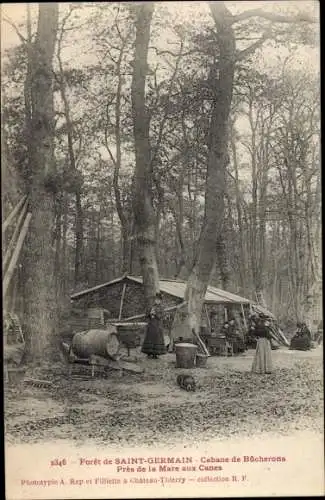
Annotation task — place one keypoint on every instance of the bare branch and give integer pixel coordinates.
(251, 49)
(271, 16)
(162, 124)
(12, 24)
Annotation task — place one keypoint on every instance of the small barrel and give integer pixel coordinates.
(185, 355)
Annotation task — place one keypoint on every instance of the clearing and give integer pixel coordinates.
(150, 408)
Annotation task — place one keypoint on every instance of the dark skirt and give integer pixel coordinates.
(300, 343)
(154, 342)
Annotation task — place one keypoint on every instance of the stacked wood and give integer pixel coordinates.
(96, 342)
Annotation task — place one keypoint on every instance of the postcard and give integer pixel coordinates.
(162, 269)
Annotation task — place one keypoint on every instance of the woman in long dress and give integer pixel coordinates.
(263, 355)
(154, 342)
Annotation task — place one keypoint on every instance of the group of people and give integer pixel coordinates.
(230, 331)
(259, 329)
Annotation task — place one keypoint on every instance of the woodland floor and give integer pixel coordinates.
(148, 408)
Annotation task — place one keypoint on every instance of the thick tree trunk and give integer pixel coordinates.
(205, 260)
(40, 304)
(145, 219)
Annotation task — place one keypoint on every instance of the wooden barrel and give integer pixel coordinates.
(99, 342)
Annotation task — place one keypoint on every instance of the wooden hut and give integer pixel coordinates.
(123, 301)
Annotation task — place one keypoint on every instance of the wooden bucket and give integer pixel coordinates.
(201, 360)
(185, 355)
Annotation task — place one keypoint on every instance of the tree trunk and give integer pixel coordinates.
(242, 252)
(79, 239)
(222, 261)
(205, 260)
(145, 219)
(64, 264)
(40, 304)
(76, 176)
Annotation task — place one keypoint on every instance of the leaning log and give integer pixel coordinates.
(14, 236)
(103, 343)
(15, 255)
(11, 217)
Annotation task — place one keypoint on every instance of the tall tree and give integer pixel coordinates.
(42, 186)
(222, 73)
(145, 219)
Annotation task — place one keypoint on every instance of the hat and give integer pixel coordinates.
(159, 295)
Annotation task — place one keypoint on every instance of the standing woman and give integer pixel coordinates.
(154, 342)
(263, 356)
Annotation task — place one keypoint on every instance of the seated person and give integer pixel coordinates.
(301, 341)
(233, 336)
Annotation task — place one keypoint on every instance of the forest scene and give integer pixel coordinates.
(161, 156)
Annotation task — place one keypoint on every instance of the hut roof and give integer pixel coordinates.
(176, 288)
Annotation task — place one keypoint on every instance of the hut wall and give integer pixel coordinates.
(134, 301)
(110, 298)
(107, 297)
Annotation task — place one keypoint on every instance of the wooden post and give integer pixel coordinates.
(14, 236)
(15, 256)
(207, 315)
(13, 214)
(122, 300)
(243, 313)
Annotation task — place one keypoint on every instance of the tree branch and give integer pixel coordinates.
(276, 18)
(163, 121)
(12, 24)
(251, 49)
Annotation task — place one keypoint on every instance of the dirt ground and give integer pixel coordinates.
(150, 408)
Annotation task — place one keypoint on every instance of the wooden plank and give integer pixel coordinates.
(122, 301)
(168, 309)
(38, 383)
(16, 254)
(14, 236)
(13, 214)
(115, 364)
(207, 315)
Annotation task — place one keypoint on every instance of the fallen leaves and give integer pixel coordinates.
(150, 408)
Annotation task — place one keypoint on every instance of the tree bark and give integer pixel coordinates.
(40, 304)
(145, 219)
(205, 260)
